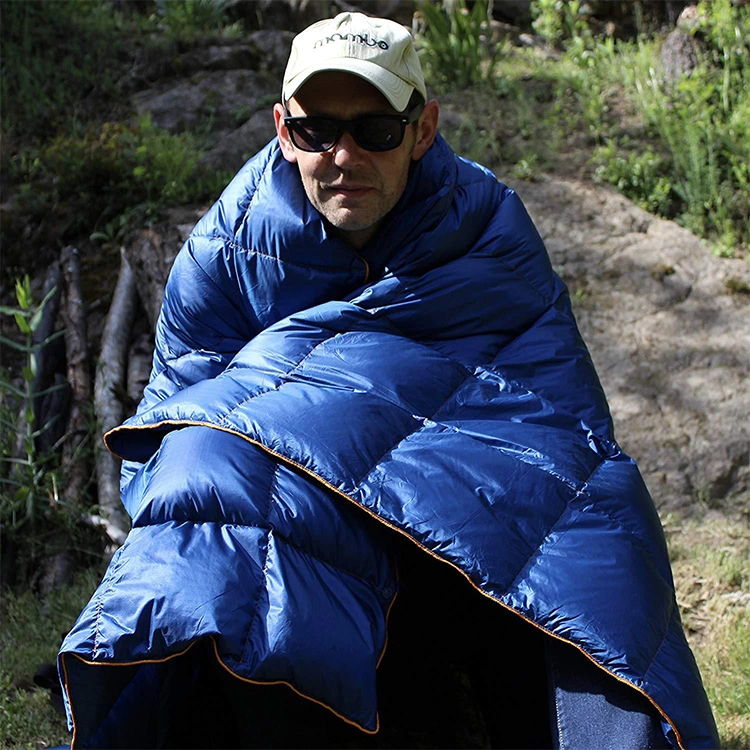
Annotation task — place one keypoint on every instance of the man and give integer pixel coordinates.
(364, 357)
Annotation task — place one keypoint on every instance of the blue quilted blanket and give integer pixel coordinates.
(307, 401)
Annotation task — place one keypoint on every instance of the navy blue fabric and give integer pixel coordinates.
(436, 381)
(590, 711)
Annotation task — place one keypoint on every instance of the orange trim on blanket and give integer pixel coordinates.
(331, 487)
(301, 695)
(70, 703)
(141, 662)
(367, 267)
(108, 664)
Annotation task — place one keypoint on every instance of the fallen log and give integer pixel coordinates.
(50, 407)
(57, 568)
(110, 386)
(74, 462)
(139, 367)
(115, 533)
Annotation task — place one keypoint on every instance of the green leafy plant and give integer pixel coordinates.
(640, 176)
(527, 167)
(37, 521)
(558, 20)
(192, 17)
(59, 63)
(138, 162)
(136, 169)
(28, 480)
(114, 232)
(702, 121)
(479, 144)
(455, 47)
(72, 157)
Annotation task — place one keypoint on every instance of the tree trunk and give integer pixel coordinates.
(74, 463)
(109, 389)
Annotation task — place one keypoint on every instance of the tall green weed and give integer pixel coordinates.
(28, 480)
(692, 162)
(702, 122)
(189, 18)
(35, 519)
(560, 21)
(455, 46)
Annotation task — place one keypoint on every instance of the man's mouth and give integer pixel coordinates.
(346, 189)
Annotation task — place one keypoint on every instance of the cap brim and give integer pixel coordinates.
(393, 88)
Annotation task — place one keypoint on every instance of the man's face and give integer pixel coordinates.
(352, 188)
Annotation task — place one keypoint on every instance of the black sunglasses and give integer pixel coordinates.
(371, 132)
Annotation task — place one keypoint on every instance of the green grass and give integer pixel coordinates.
(31, 631)
(711, 562)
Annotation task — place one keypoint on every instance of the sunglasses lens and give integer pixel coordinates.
(314, 134)
(378, 133)
(374, 133)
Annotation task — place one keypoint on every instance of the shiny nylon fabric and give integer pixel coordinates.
(450, 397)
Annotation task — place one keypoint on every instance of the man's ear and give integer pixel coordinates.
(426, 129)
(287, 149)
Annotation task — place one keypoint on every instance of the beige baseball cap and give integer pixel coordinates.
(376, 49)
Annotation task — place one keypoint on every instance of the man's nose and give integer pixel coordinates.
(346, 152)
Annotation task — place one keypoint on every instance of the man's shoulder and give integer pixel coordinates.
(228, 212)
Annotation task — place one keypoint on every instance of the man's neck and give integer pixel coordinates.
(357, 238)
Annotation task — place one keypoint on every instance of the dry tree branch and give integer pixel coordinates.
(79, 378)
(109, 388)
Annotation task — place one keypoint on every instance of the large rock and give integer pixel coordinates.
(667, 326)
(217, 101)
(235, 148)
(226, 92)
(679, 54)
(275, 46)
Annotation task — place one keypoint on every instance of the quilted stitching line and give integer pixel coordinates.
(100, 602)
(672, 605)
(252, 251)
(417, 427)
(625, 528)
(264, 587)
(580, 490)
(256, 186)
(217, 288)
(330, 564)
(542, 541)
(618, 524)
(283, 380)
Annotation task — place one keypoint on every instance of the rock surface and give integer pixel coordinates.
(667, 326)
(210, 99)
